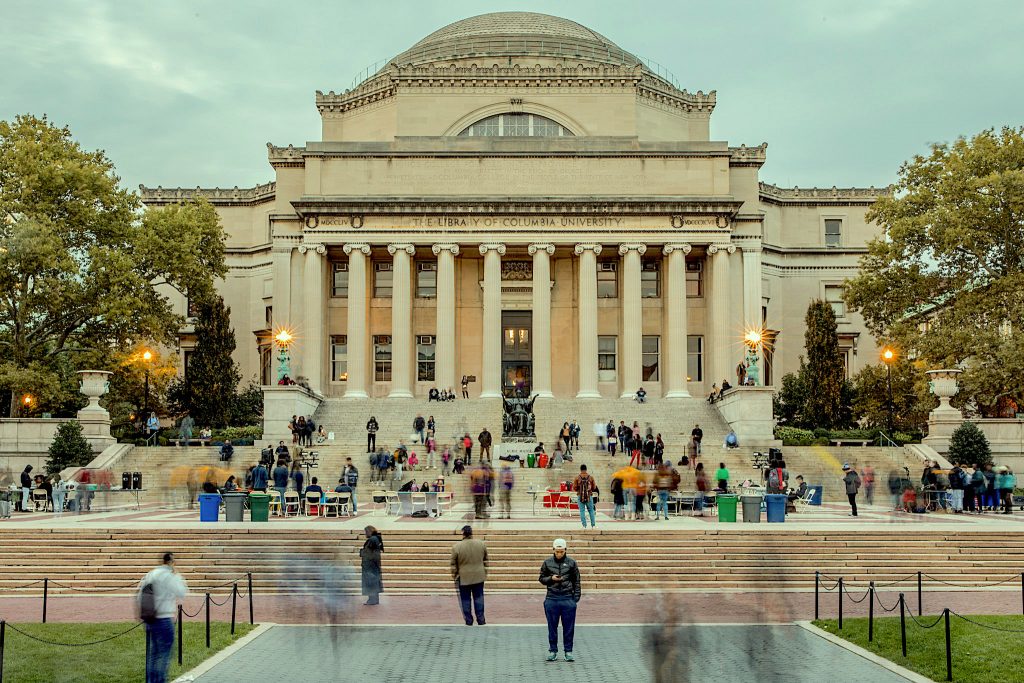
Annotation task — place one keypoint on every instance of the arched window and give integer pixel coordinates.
(516, 125)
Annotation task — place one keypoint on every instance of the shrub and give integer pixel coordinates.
(820, 441)
(251, 432)
(793, 436)
(821, 432)
(68, 449)
(968, 445)
(162, 441)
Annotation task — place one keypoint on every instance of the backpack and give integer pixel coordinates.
(147, 603)
(586, 488)
(775, 478)
(373, 460)
(352, 478)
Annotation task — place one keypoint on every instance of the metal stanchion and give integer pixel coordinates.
(251, 619)
(903, 623)
(179, 634)
(234, 602)
(207, 620)
(840, 603)
(871, 611)
(3, 637)
(949, 649)
(919, 594)
(817, 580)
(46, 594)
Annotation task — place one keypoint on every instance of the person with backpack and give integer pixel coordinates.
(777, 477)
(159, 593)
(852, 482)
(585, 487)
(350, 475)
(418, 427)
(371, 434)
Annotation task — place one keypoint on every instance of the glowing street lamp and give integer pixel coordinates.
(888, 356)
(284, 339)
(147, 358)
(752, 339)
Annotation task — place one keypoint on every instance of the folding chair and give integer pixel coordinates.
(313, 507)
(291, 504)
(445, 501)
(40, 500)
(342, 503)
(379, 497)
(391, 500)
(420, 500)
(275, 501)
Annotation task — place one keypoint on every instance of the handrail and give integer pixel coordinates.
(882, 437)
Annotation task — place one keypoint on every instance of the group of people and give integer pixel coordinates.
(260, 478)
(962, 488)
(439, 395)
(304, 431)
(61, 494)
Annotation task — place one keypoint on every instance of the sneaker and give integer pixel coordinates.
(552, 656)
(569, 657)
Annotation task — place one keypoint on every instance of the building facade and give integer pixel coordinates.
(518, 200)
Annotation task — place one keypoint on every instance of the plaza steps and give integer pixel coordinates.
(416, 561)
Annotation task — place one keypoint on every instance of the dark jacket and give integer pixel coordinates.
(372, 427)
(281, 477)
(26, 479)
(569, 586)
(852, 481)
(259, 477)
(370, 556)
(484, 439)
(419, 423)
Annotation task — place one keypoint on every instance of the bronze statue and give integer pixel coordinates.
(518, 419)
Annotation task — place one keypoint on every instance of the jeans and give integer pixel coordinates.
(853, 502)
(958, 499)
(611, 449)
(160, 635)
(371, 442)
(423, 435)
(662, 504)
(587, 506)
(24, 498)
(617, 512)
(564, 609)
(355, 507)
(58, 503)
(476, 593)
(282, 490)
(600, 443)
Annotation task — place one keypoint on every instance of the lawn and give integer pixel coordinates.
(980, 655)
(122, 660)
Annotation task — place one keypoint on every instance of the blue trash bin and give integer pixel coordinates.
(775, 504)
(816, 498)
(209, 507)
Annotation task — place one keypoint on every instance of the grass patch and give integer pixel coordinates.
(980, 655)
(122, 660)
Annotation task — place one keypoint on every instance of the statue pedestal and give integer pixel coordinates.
(280, 403)
(748, 410)
(945, 419)
(522, 448)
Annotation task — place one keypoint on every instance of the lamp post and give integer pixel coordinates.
(888, 356)
(27, 403)
(284, 339)
(147, 357)
(753, 339)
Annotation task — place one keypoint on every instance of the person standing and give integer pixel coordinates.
(698, 436)
(59, 493)
(370, 558)
(465, 386)
(506, 482)
(280, 482)
(585, 486)
(722, 475)
(469, 571)
(561, 576)
(26, 487)
(159, 593)
(852, 481)
(957, 481)
(867, 475)
(418, 427)
(299, 480)
(484, 439)
(185, 429)
(599, 436)
(371, 434)
(152, 427)
(574, 433)
(350, 475)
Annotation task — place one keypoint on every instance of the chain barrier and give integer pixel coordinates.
(132, 585)
(1015, 577)
(829, 590)
(193, 616)
(895, 606)
(932, 625)
(27, 585)
(989, 627)
(852, 599)
(220, 604)
(857, 584)
(54, 642)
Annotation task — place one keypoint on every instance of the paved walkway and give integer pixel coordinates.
(604, 654)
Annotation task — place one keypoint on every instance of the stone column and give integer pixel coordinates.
(588, 320)
(358, 316)
(446, 253)
(632, 318)
(282, 263)
(490, 381)
(721, 344)
(401, 320)
(675, 330)
(313, 297)
(542, 317)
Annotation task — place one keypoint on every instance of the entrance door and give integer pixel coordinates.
(516, 352)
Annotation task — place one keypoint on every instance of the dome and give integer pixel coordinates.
(515, 34)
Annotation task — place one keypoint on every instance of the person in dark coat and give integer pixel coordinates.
(370, 554)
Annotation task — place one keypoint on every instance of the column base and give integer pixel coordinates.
(543, 394)
(400, 393)
(356, 394)
(588, 393)
(678, 393)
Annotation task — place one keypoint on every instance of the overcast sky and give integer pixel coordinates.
(188, 92)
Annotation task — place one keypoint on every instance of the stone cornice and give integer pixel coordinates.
(248, 196)
(336, 205)
(445, 146)
(748, 156)
(290, 156)
(773, 194)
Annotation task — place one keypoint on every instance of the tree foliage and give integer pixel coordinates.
(969, 446)
(207, 391)
(827, 401)
(80, 269)
(911, 399)
(68, 448)
(953, 255)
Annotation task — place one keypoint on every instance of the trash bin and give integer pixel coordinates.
(531, 460)
(775, 505)
(751, 508)
(816, 498)
(259, 506)
(234, 504)
(209, 507)
(726, 507)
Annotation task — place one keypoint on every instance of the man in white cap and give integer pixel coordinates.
(562, 578)
(852, 481)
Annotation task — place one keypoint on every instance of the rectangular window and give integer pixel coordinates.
(694, 279)
(833, 232)
(426, 280)
(266, 364)
(695, 358)
(426, 354)
(382, 358)
(649, 280)
(191, 308)
(339, 358)
(607, 284)
(382, 280)
(650, 357)
(339, 285)
(268, 315)
(606, 359)
(834, 297)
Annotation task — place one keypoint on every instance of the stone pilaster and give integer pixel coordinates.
(358, 315)
(312, 337)
(674, 355)
(722, 344)
(542, 317)
(445, 374)
(632, 318)
(401, 320)
(282, 264)
(490, 381)
(587, 320)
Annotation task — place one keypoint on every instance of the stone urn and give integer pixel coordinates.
(944, 384)
(93, 384)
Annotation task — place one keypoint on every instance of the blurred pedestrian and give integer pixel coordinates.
(281, 475)
(599, 434)
(506, 482)
(867, 476)
(370, 557)
(469, 571)
(560, 574)
(852, 481)
(60, 493)
(159, 593)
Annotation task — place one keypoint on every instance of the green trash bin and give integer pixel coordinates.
(531, 460)
(259, 507)
(726, 507)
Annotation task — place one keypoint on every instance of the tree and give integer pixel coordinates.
(211, 379)
(952, 255)
(969, 446)
(911, 400)
(127, 395)
(68, 449)
(827, 402)
(788, 404)
(80, 269)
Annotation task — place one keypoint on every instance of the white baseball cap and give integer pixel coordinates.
(559, 544)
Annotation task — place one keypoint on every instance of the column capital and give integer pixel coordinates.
(407, 248)
(715, 248)
(534, 248)
(349, 248)
(318, 248)
(632, 246)
(669, 248)
(438, 248)
(492, 246)
(580, 248)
